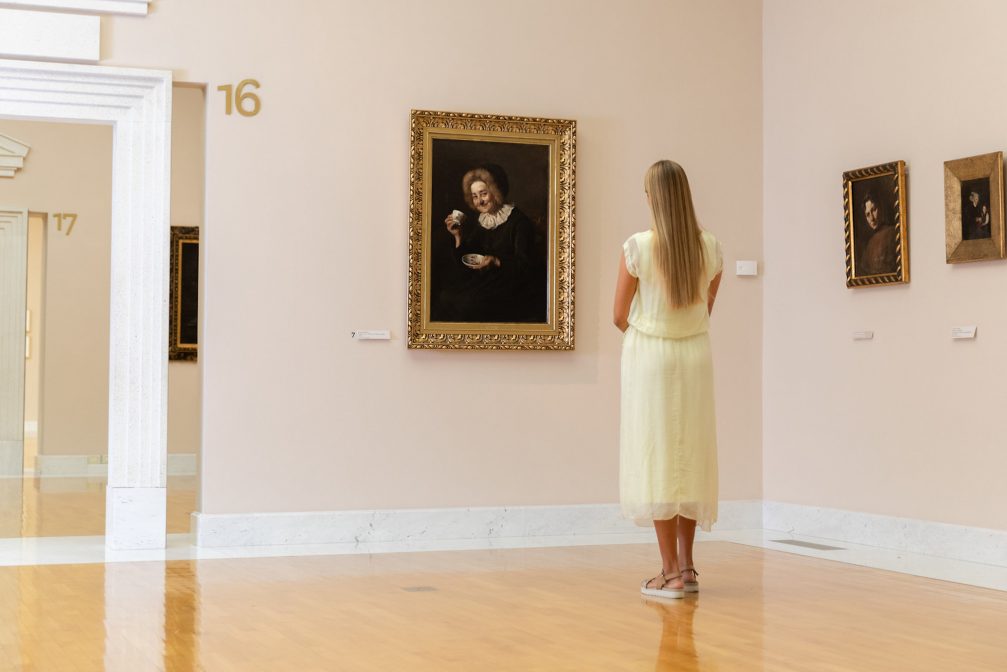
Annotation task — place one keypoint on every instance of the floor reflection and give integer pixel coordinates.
(181, 617)
(677, 647)
(63, 506)
(151, 617)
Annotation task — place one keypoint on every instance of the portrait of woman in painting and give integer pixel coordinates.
(490, 256)
(976, 209)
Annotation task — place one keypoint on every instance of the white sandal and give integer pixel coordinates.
(670, 593)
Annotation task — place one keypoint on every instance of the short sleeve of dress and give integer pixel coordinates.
(718, 259)
(631, 251)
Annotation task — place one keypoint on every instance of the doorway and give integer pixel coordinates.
(65, 459)
(136, 104)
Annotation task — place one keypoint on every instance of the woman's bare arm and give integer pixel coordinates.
(625, 290)
(711, 295)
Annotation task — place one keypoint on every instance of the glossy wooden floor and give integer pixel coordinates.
(524, 610)
(72, 506)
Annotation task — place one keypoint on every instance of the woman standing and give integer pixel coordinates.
(668, 280)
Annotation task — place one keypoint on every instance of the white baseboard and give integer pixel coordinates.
(473, 524)
(11, 455)
(957, 542)
(71, 465)
(182, 464)
(90, 466)
(485, 526)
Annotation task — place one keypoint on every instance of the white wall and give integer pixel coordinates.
(306, 202)
(910, 423)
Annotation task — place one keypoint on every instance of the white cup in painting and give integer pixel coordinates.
(472, 260)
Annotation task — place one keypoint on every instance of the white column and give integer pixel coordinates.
(138, 363)
(13, 281)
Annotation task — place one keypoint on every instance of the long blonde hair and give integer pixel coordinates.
(678, 251)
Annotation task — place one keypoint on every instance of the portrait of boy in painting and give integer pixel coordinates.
(875, 237)
(489, 232)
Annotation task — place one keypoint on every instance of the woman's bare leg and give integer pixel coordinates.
(686, 533)
(667, 542)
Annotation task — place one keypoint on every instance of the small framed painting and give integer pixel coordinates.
(877, 225)
(184, 294)
(974, 208)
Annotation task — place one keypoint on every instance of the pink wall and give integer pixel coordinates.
(69, 169)
(909, 424)
(305, 239)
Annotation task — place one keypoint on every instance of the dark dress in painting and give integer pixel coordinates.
(878, 255)
(514, 291)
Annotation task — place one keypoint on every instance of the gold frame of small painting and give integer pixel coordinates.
(877, 225)
(974, 208)
(184, 294)
(496, 274)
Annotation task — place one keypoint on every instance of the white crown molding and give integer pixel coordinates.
(12, 155)
(121, 7)
(49, 36)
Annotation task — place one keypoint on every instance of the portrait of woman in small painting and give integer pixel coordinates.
(976, 209)
(490, 256)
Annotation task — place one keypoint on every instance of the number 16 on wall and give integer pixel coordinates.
(247, 103)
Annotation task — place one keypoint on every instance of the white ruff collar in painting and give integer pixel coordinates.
(489, 222)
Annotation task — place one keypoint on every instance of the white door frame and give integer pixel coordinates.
(137, 103)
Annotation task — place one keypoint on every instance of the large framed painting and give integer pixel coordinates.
(183, 293)
(491, 232)
(974, 208)
(877, 225)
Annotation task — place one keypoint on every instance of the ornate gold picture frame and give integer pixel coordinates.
(877, 225)
(974, 208)
(184, 294)
(491, 232)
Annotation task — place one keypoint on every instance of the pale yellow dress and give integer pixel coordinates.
(668, 432)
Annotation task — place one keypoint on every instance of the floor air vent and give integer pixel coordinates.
(807, 544)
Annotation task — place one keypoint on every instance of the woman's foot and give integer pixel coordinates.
(689, 581)
(663, 586)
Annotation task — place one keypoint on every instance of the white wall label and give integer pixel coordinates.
(373, 335)
(863, 335)
(746, 268)
(963, 332)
